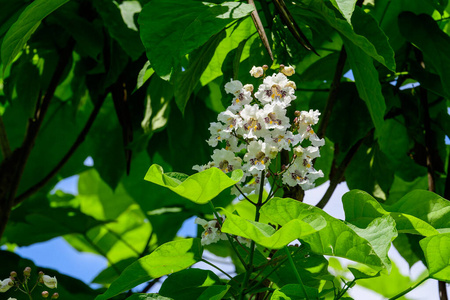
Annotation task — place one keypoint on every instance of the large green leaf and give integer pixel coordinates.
(380, 233)
(127, 38)
(295, 292)
(151, 296)
(188, 284)
(437, 254)
(374, 44)
(181, 26)
(166, 259)
(199, 188)
(425, 33)
(361, 208)
(335, 239)
(345, 7)
(367, 83)
(427, 206)
(27, 23)
(266, 235)
(199, 60)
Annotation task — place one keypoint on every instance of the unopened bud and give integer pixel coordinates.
(41, 274)
(297, 113)
(55, 296)
(283, 167)
(267, 175)
(27, 271)
(13, 274)
(265, 67)
(281, 67)
(44, 294)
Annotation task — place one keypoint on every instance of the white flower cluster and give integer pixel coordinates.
(257, 122)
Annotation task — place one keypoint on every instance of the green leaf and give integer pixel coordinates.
(144, 74)
(199, 188)
(21, 31)
(316, 9)
(380, 233)
(166, 259)
(439, 5)
(214, 292)
(266, 235)
(199, 60)
(437, 254)
(188, 284)
(150, 296)
(424, 33)
(367, 83)
(361, 208)
(295, 292)
(346, 8)
(112, 17)
(335, 239)
(183, 27)
(361, 272)
(426, 206)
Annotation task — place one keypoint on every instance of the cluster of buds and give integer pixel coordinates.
(257, 123)
(23, 286)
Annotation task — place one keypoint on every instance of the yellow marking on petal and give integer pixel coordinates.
(231, 125)
(298, 178)
(308, 166)
(218, 137)
(311, 131)
(262, 161)
(237, 100)
(270, 122)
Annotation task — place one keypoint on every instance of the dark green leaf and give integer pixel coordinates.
(199, 60)
(182, 27)
(424, 33)
(188, 284)
(345, 7)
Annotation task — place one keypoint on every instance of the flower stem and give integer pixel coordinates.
(294, 269)
(409, 289)
(214, 266)
(228, 236)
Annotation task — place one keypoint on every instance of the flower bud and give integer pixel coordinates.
(41, 274)
(55, 296)
(27, 272)
(13, 274)
(50, 282)
(283, 167)
(288, 71)
(44, 294)
(265, 67)
(297, 113)
(257, 72)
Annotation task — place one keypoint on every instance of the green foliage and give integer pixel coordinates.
(135, 84)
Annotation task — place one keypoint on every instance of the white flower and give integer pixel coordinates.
(276, 88)
(199, 168)
(225, 160)
(218, 134)
(283, 139)
(233, 87)
(255, 157)
(302, 172)
(252, 122)
(12, 298)
(242, 94)
(50, 282)
(288, 71)
(6, 285)
(306, 120)
(231, 120)
(257, 72)
(248, 88)
(274, 116)
(212, 233)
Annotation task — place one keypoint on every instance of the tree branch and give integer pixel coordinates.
(339, 174)
(332, 96)
(4, 143)
(81, 137)
(260, 28)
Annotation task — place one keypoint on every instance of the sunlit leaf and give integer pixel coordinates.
(437, 254)
(199, 188)
(20, 32)
(166, 259)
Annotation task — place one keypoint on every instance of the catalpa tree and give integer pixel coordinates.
(223, 114)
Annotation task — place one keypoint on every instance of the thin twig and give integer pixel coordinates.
(81, 137)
